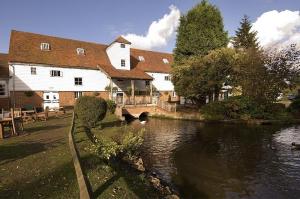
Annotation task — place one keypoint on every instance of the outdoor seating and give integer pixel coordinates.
(12, 120)
(41, 115)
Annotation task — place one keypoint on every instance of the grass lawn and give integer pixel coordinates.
(38, 164)
(111, 180)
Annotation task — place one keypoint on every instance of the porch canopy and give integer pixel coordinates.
(134, 75)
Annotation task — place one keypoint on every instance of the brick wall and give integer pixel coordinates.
(166, 95)
(67, 98)
(22, 100)
(4, 103)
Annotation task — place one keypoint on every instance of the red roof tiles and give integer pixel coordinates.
(25, 48)
(4, 71)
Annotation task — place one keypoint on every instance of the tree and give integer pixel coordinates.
(199, 77)
(245, 38)
(263, 75)
(200, 31)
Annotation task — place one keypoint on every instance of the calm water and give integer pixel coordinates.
(222, 160)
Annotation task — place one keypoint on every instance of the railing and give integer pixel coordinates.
(171, 107)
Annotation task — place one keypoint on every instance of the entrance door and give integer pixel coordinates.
(51, 100)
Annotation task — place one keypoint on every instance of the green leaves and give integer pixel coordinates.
(201, 30)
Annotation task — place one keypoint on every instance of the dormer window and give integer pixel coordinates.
(141, 58)
(45, 46)
(122, 45)
(80, 51)
(165, 60)
(123, 62)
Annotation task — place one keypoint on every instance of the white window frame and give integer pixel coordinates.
(122, 45)
(80, 51)
(79, 81)
(78, 94)
(166, 61)
(123, 63)
(147, 83)
(141, 58)
(45, 46)
(56, 73)
(174, 94)
(33, 70)
(3, 91)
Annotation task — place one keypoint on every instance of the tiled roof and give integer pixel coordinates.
(25, 48)
(4, 71)
(153, 61)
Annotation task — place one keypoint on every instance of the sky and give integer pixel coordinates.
(147, 24)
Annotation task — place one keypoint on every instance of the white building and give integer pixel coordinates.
(52, 71)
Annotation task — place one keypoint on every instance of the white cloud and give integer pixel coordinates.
(159, 31)
(278, 28)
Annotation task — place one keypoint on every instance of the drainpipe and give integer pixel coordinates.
(14, 87)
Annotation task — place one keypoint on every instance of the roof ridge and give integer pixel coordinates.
(152, 51)
(57, 37)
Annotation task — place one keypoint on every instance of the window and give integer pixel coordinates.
(123, 62)
(80, 51)
(3, 89)
(77, 94)
(45, 46)
(174, 94)
(141, 58)
(122, 45)
(166, 61)
(33, 70)
(167, 78)
(147, 83)
(78, 81)
(55, 73)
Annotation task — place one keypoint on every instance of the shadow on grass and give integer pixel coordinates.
(59, 183)
(91, 163)
(44, 127)
(13, 152)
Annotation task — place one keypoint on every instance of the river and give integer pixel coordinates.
(213, 160)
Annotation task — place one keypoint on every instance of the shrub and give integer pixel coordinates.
(295, 106)
(90, 110)
(111, 106)
(28, 93)
(128, 146)
(243, 108)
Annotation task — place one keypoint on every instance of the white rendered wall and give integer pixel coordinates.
(160, 83)
(92, 80)
(116, 53)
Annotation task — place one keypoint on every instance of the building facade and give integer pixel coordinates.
(42, 70)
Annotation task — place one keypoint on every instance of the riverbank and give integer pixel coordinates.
(196, 116)
(110, 179)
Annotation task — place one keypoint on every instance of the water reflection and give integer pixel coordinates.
(224, 161)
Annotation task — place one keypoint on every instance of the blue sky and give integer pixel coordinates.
(102, 21)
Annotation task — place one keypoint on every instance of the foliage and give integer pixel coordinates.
(295, 106)
(90, 110)
(241, 107)
(200, 31)
(263, 75)
(199, 77)
(111, 106)
(245, 38)
(107, 88)
(128, 146)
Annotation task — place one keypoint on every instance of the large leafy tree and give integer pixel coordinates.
(199, 77)
(245, 38)
(200, 31)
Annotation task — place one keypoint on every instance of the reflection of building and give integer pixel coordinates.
(55, 71)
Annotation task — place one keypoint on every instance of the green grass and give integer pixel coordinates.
(111, 180)
(38, 164)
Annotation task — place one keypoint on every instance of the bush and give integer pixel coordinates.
(243, 108)
(295, 106)
(111, 106)
(90, 110)
(127, 146)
